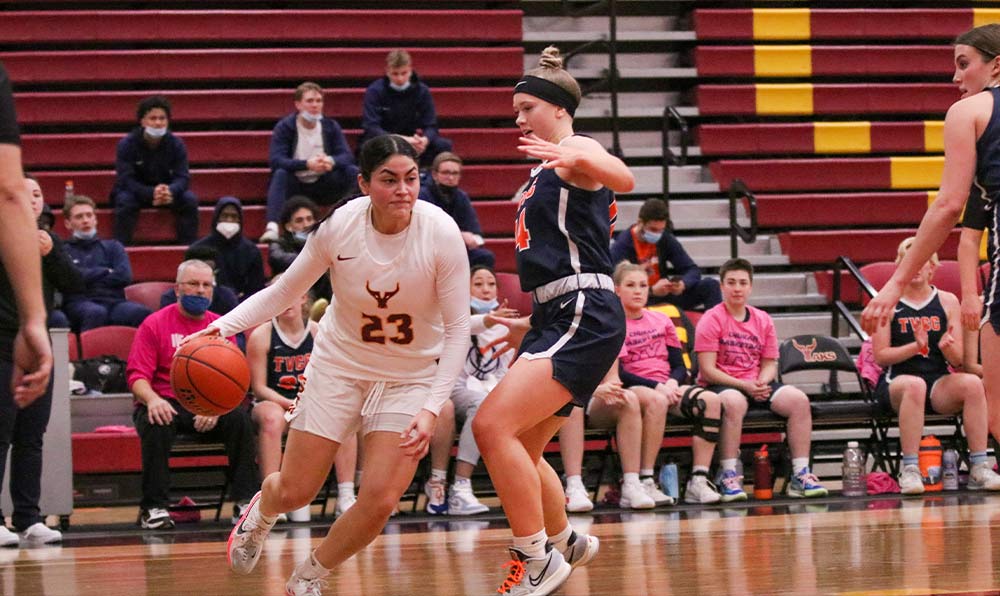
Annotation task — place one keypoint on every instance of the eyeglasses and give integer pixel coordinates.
(197, 285)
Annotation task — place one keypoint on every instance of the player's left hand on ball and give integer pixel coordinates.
(203, 333)
(416, 439)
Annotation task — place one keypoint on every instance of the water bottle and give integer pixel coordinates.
(69, 189)
(949, 470)
(930, 463)
(763, 475)
(853, 471)
(668, 480)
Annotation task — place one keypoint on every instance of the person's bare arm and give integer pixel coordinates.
(257, 357)
(968, 270)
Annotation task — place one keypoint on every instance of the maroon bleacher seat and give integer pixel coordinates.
(496, 217)
(832, 98)
(147, 293)
(800, 137)
(111, 340)
(157, 225)
(159, 263)
(844, 173)
(503, 248)
(840, 209)
(509, 288)
(73, 343)
(854, 60)
(946, 277)
(261, 26)
(862, 246)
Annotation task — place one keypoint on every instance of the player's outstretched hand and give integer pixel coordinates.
(879, 310)
(416, 439)
(516, 330)
(554, 156)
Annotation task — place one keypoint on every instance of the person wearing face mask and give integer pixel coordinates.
(159, 418)
(105, 269)
(59, 276)
(443, 191)
(223, 297)
(297, 218)
(239, 264)
(151, 170)
(309, 156)
(400, 103)
(673, 275)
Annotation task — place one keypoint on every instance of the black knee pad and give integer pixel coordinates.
(693, 407)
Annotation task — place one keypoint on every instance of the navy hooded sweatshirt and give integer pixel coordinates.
(239, 263)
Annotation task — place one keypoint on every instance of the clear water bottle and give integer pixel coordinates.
(668, 480)
(69, 189)
(853, 471)
(949, 470)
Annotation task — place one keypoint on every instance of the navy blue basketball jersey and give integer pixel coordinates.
(287, 362)
(987, 186)
(562, 230)
(930, 315)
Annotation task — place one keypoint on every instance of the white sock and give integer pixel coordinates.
(631, 478)
(441, 475)
(345, 488)
(461, 480)
(533, 546)
(646, 473)
(798, 463)
(560, 541)
(575, 481)
(311, 569)
(728, 464)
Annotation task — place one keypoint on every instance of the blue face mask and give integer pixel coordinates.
(301, 236)
(155, 132)
(81, 235)
(194, 304)
(651, 237)
(310, 117)
(402, 87)
(481, 307)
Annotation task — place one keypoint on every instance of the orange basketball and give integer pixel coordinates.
(210, 376)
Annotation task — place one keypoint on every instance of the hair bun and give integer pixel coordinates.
(550, 58)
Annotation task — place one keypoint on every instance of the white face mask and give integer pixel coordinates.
(227, 228)
(154, 132)
(402, 87)
(310, 117)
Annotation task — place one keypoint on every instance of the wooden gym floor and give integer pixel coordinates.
(885, 546)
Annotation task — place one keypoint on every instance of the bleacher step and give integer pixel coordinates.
(683, 179)
(645, 144)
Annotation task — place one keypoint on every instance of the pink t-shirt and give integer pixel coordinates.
(644, 352)
(740, 345)
(154, 345)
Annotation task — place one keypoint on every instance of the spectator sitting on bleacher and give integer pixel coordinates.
(239, 264)
(399, 103)
(442, 190)
(278, 352)
(737, 350)
(151, 169)
(652, 366)
(105, 268)
(481, 373)
(297, 218)
(309, 156)
(223, 297)
(673, 275)
(916, 350)
(59, 276)
(159, 418)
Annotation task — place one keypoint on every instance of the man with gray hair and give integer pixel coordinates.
(159, 418)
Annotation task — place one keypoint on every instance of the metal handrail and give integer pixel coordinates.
(671, 116)
(739, 190)
(838, 306)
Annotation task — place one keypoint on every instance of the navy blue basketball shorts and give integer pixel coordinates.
(582, 333)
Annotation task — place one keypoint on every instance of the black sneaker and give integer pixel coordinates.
(155, 519)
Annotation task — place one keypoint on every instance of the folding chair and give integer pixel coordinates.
(147, 293)
(111, 340)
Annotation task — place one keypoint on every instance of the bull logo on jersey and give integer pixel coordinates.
(381, 298)
(809, 353)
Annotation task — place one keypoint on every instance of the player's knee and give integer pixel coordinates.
(653, 402)
(734, 405)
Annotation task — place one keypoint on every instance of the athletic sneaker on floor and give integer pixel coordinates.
(582, 551)
(296, 586)
(982, 477)
(435, 491)
(805, 484)
(240, 508)
(39, 533)
(910, 481)
(701, 490)
(534, 577)
(634, 497)
(155, 519)
(732, 487)
(659, 497)
(577, 500)
(8, 538)
(247, 538)
(463, 501)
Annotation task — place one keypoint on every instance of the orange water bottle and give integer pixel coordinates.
(763, 476)
(930, 463)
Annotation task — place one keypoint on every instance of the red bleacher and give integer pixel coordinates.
(853, 173)
(719, 24)
(830, 98)
(803, 137)
(862, 246)
(840, 209)
(868, 60)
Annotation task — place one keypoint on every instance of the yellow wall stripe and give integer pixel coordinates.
(980, 16)
(916, 172)
(795, 99)
(781, 23)
(782, 61)
(934, 135)
(842, 137)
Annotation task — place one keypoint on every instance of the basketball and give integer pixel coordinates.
(210, 376)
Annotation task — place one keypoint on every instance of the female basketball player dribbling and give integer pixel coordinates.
(385, 358)
(563, 230)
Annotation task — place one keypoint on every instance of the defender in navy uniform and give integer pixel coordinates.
(916, 350)
(972, 156)
(563, 232)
